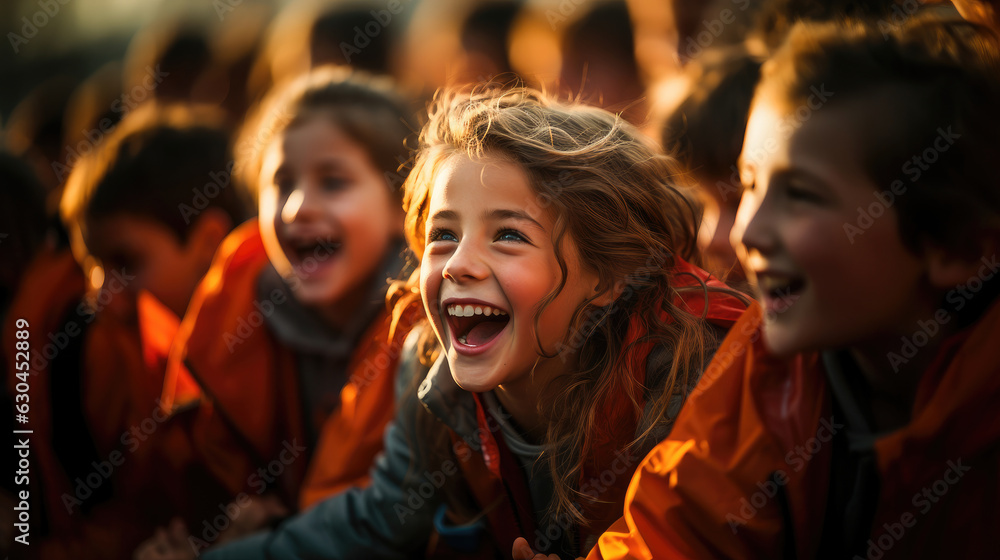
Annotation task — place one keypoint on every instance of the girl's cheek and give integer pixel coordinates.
(430, 287)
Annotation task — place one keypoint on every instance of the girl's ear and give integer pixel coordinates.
(947, 269)
(606, 296)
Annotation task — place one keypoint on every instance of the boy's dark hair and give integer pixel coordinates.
(164, 164)
(365, 107)
(705, 132)
(944, 79)
(777, 17)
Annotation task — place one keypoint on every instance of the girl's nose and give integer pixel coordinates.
(465, 264)
(300, 205)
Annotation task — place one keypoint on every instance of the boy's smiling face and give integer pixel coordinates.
(487, 267)
(326, 213)
(823, 284)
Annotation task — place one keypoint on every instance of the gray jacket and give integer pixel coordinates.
(393, 517)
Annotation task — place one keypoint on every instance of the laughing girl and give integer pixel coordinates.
(565, 327)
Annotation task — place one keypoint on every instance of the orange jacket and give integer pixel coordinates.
(124, 367)
(500, 486)
(727, 483)
(249, 427)
(118, 369)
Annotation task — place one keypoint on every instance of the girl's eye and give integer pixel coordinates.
(511, 235)
(333, 183)
(438, 234)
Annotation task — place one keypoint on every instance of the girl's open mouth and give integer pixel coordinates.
(311, 256)
(302, 250)
(474, 325)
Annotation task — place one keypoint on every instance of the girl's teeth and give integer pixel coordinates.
(462, 340)
(469, 311)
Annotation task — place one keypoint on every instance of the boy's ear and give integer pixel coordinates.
(947, 269)
(207, 232)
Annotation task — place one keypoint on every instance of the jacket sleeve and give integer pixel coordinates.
(387, 520)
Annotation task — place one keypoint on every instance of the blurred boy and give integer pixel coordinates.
(851, 414)
(98, 442)
(706, 134)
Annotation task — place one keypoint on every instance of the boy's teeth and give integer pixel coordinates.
(772, 284)
(462, 340)
(779, 287)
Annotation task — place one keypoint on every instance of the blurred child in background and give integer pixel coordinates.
(485, 39)
(98, 365)
(288, 352)
(342, 35)
(177, 48)
(706, 134)
(34, 132)
(598, 60)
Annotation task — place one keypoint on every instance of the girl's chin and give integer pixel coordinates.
(474, 386)
(470, 380)
(315, 293)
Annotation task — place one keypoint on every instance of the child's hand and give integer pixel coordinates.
(522, 551)
(167, 544)
(255, 515)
